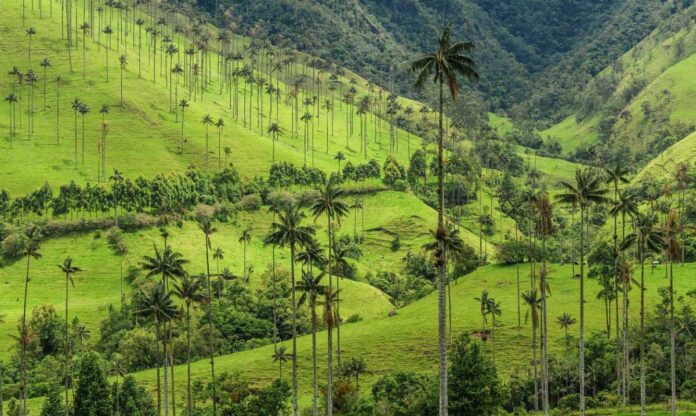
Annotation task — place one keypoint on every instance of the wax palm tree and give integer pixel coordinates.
(30, 33)
(84, 27)
(446, 62)
(83, 110)
(108, 32)
(123, 63)
(647, 239)
(274, 130)
(543, 216)
(11, 99)
(672, 254)
(533, 302)
(330, 317)
(158, 305)
(311, 289)
(207, 229)
(167, 264)
(626, 279)
(45, 64)
(281, 356)
(616, 176)
(306, 119)
(339, 157)
(220, 124)
(218, 254)
(228, 152)
(76, 105)
(565, 321)
(289, 231)
(483, 310)
(69, 269)
(245, 239)
(190, 291)
(329, 202)
(30, 251)
(586, 190)
(183, 104)
(206, 121)
(118, 370)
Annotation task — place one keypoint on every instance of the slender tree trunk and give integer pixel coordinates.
(23, 335)
(315, 398)
(295, 406)
(210, 335)
(582, 312)
(159, 362)
(442, 313)
(189, 407)
(673, 339)
(67, 346)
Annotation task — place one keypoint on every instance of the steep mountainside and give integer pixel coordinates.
(536, 55)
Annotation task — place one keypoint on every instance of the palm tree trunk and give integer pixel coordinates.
(442, 313)
(315, 408)
(67, 345)
(673, 340)
(210, 335)
(295, 407)
(23, 335)
(159, 389)
(642, 329)
(581, 344)
(188, 359)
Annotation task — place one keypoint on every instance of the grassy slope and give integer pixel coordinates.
(386, 214)
(404, 342)
(665, 165)
(143, 130)
(655, 61)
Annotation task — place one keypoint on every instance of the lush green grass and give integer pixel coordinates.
(406, 340)
(665, 165)
(144, 136)
(571, 135)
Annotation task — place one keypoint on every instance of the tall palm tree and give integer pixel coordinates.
(190, 291)
(672, 254)
(586, 190)
(117, 369)
(245, 239)
(123, 63)
(30, 251)
(274, 130)
(311, 289)
(30, 33)
(158, 305)
(11, 99)
(339, 157)
(69, 269)
(616, 176)
(183, 104)
(76, 104)
(543, 210)
(280, 356)
(207, 228)
(533, 302)
(108, 32)
(331, 317)
(329, 202)
(565, 321)
(446, 62)
(83, 110)
(647, 239)
(206, 121)
(45, 64)
(288, 230)
(84, 27)
(220, 124)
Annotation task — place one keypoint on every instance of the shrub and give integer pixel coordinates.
(250, 202)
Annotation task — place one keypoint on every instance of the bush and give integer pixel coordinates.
(250, 202)
(13, 245)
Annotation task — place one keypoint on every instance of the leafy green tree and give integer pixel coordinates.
(446, 62)
(133, 399)
(92, 392)
(53, 405)
(474, 386)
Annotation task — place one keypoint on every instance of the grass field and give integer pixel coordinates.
(404, 341)
(144, 135)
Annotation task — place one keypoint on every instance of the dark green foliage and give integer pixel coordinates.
(53, 405)
(474, 387)
(133, 399)
(92, 393)
(405, 394)
(48, 328)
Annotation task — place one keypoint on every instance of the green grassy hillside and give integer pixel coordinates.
(144, 135)
(404, 341)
